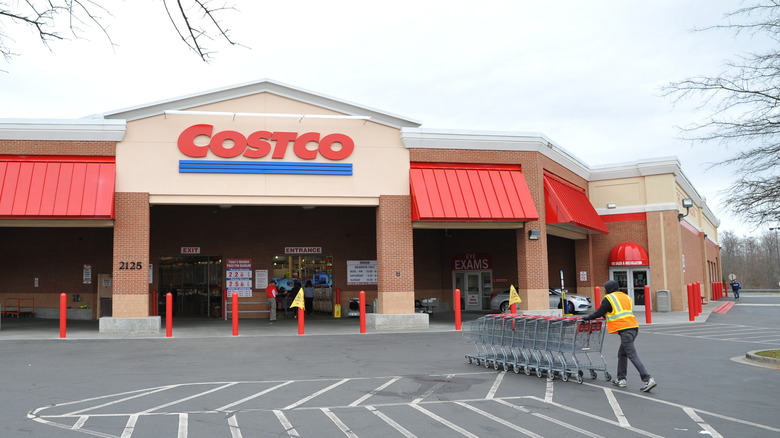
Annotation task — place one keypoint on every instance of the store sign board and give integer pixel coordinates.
(361, 272)
(190, 250)
(238, 277)
(198, 140)
(303, 250)
(472, 262)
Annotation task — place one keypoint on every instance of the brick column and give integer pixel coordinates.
(131, 256)
(395, 255)
(533, 282)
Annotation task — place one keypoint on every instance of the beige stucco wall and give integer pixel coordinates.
(148, 158)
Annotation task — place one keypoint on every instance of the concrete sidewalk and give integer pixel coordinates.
(317, 325)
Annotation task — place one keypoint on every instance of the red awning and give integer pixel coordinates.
(456, 192)
(628, 254)
(567, 204)
(57, 187)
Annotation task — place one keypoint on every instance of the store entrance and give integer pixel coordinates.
(195, 283)
(476, 288)
(632, 281)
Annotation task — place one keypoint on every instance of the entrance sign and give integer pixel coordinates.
(238, 274)
(361, 272)
(303, 250)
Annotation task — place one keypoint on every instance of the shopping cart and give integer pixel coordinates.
(565, 347)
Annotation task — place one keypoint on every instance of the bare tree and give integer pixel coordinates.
(745, 97)
(197, 22)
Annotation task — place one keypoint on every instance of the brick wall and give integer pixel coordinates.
(131, 246)
(395, 254)
(50, 147)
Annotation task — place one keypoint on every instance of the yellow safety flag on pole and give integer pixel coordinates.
(298, 301)
(514, 298)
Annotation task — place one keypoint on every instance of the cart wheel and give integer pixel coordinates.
(564, 377)
(469, 359)
(527, 371)
(538, 372)
(487, 365)
(495, 365)
(579, 379)
(506, 366)
(593, 374)
(476, 361)
(607, 376)
(517, 369)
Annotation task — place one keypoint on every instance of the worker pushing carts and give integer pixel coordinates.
(555, 346)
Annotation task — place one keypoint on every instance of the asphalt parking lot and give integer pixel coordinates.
(409, 384)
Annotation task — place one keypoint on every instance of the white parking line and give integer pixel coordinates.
(286, 424)
(622, 420)
(113, 402)
(340, 424)
(130, 426)
(441, 420)
(183, 425)
(374, 392)
(322, 391)
(548, 392)
(235, 431)
(512, 426)
(691, 413)
(496, 384)
(433, 389)
(391, 422)
(80, 423)
(181, 400)
(253, 396)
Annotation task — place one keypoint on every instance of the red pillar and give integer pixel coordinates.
(301, 323)
(168, 315)
(234, 306)
(648, 306)
(690, 303)
(362, 311)
(456, 304)
(596, 297)
(63, 314)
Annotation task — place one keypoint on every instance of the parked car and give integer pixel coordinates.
(577, 303)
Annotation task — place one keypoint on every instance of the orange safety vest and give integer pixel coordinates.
(622, 316)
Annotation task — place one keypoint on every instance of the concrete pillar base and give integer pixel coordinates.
(147, 325)
(381, 321)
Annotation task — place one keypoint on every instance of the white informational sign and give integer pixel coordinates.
(583, 275)
(151, 273)
(87, 274)
(238, 273)
(361, 272)
(732, 277)
(261, 279)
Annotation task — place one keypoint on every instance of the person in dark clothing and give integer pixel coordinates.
(735, 286)
(618, 309)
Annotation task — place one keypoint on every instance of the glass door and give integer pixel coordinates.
(632, 282)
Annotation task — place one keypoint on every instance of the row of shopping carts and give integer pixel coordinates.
(548, 345)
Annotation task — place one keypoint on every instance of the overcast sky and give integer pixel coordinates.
(586, 74)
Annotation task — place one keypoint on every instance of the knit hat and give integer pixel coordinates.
(611, 286)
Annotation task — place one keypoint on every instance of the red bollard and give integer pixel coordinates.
(154, 302)
(456, 304)
(301, 323)
(648, 306)
(235, 313)
(596, 297)
(690, 302)
(362, 311)
(224, 303)
(725, 290)
(63, 315)
(697, 293)
(168, 315)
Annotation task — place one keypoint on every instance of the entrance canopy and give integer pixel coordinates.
(567, 205)
(57, 187)
(470, 193)
(628, 254)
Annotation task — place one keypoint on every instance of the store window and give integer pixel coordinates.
(318, 268)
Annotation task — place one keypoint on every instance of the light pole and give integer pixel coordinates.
(775, 229)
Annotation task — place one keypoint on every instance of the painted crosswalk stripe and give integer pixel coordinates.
(322, 391)
(391, 422)
(340, 424)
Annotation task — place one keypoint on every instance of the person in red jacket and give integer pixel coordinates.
(618, 309)
(271, 293)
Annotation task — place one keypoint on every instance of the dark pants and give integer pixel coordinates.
(309, 303)
(627, 352)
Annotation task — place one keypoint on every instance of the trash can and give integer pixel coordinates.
(663, 300)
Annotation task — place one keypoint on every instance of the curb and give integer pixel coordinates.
(751, 355)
